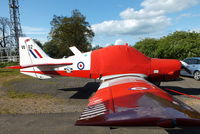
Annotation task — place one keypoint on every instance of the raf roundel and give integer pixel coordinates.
(138, 88)
(80, 65)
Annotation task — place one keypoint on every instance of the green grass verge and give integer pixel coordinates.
(6, 111)
(9, 75)
(8, 72)
(23, 95)
(6, 64)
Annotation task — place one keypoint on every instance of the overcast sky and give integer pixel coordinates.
(114, 22)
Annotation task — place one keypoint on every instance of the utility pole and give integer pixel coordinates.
(16, 30)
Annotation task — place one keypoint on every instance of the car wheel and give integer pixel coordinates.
(197, 75)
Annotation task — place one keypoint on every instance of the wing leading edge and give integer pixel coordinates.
(133, 101)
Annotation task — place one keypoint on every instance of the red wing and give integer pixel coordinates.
(133, 101)
(38, 65)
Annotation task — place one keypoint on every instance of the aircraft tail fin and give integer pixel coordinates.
(30, 52)
(30, 55)
(35, 62)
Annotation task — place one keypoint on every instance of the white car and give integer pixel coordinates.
(193, 65)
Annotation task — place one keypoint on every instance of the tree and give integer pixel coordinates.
(67, 32)
(51, 49)
(96, 47)
(147, 46)
(38, 43)
(177, 45)
(5, 37)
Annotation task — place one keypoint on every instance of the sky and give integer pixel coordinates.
(113, 21)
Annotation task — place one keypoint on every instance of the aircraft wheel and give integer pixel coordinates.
(157, 83)
(197, 75)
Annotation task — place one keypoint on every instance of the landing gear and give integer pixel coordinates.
(157, 83)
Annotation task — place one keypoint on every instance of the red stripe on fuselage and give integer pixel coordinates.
(27, 40)
(75, 73)
(38, 53)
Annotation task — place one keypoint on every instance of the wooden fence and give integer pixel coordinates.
(4, 59)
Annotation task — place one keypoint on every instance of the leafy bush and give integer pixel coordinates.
(178, 45)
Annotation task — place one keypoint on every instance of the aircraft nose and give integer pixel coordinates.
(166, 69)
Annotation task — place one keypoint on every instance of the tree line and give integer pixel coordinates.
(177, 45)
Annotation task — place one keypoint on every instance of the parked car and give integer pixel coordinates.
(193, 65)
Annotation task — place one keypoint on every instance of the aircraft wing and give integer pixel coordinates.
(133, 101)
(38, 65)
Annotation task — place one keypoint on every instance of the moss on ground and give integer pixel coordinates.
(6, 111)
(22, 95)
(8, 72)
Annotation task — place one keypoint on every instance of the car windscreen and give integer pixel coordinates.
(192, 61)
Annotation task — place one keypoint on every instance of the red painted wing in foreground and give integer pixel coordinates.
(133, 101)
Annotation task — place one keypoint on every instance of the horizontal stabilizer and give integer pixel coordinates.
(38, 65)
(75, 51)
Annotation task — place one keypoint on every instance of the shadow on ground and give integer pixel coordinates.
(175, 80)
(65, 88)
(83, 92)
(189, 91)
(184, 131)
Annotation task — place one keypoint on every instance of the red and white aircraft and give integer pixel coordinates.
(126, 96)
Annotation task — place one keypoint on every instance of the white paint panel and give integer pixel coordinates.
(75, 50)
(120, 80)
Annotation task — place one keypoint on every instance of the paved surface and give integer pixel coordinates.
(63, 87)
(75, 90)
(64, 124)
